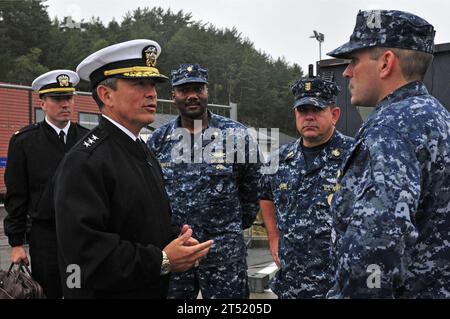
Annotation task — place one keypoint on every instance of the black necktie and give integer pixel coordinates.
(61, 136)
(144, 150)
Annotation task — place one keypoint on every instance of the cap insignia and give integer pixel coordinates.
(151, 55)
(63, 80)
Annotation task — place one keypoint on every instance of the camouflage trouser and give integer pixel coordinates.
(222, 282)
(296, 285)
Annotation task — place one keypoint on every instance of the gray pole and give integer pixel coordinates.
(233, 111)
(320, 51)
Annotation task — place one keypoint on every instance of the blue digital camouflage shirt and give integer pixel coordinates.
(219, 199)
(301, 196)
(392, 214)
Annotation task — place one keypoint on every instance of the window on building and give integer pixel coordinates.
(88, 120)
(39, 115)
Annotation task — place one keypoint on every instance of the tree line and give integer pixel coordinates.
(32, 43)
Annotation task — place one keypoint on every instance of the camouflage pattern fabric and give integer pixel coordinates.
(189, 73)
(315, 91)
(388, 28)
(392, 214)
(301, 195)
(218, 200)
(228, 281)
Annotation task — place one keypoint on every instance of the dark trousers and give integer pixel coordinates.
(44, 258)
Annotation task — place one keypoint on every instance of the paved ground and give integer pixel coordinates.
(258, 258)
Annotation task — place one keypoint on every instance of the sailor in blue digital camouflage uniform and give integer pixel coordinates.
(218, 196)
(295, 199)
(392, 214)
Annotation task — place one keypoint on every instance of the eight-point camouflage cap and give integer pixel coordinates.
(189, 73)
(315, 91)
(388, 28)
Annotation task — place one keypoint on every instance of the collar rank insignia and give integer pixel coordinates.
(290, 155)
(336, 153)
(189, 69)
(308, 86)
(63, 80)
(217, 157)
(283, 186)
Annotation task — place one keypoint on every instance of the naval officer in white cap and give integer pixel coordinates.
(114, 222)
(33, 156)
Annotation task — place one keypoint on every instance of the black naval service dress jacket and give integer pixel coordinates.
(33, 156)
(112, 217)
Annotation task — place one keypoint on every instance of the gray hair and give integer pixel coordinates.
(108, 82)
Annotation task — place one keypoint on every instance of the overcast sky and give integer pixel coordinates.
(280, 28)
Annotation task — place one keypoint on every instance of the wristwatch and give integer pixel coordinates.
(165, 265)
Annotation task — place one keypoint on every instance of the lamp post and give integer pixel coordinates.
(320, 37)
